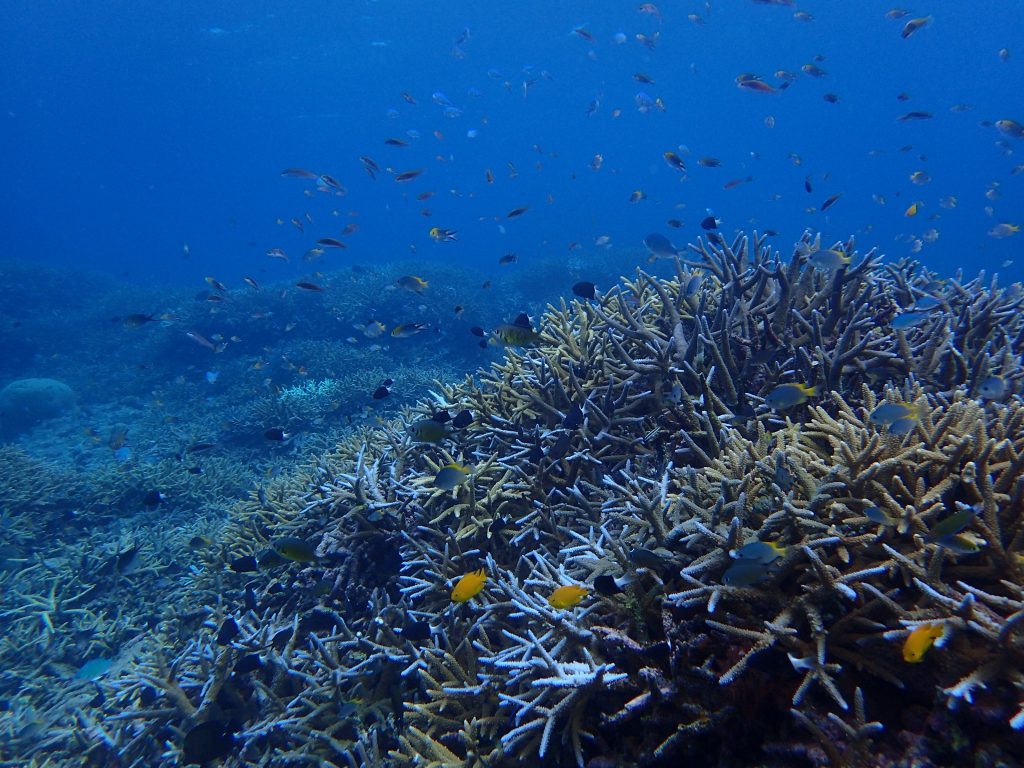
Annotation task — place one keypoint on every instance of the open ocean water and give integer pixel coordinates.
(237, 235)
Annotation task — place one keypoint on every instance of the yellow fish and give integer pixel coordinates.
(912, 210)
(568, 596)
(469, 586)
(919, 641)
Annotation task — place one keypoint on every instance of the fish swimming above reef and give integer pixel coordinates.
(518, 333)
(451, 476)
(906, 320)
(920, 640)
(900, 418)
(428, 431)
(745, 573)
(763, 552)
(405, 330)
(787, 396)
(295, 549)
(137, 320)
(469, 586)
(993, 388)
(443, 235)
(585, 289)
(208, 742)
(567, 596)
(412, 283)
(659, 246)
(823, 258)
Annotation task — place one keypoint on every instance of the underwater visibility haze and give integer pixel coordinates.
(567, 384)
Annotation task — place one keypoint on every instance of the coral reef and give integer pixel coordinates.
(752, 575)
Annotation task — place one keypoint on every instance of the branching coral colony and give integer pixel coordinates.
(834, 580)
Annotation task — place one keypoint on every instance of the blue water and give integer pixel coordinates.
(133, 129)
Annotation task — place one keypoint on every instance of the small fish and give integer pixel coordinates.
(961, 543)
(518, 333)
(200, 542)
(469, 586)
(396, 142)
(709, 223)
(330, 181)
(228, 630)
(331, 242)
(245, 564)
(408, 175)
(830, 201)
(371, 328)
(920, 640)
(428, 431)
(915, 115)
(1010, 128)
(787, 396)
(412, 283)
(733, 183)
(955, 523)
(674, 161)
(277, 253)
(993, 388)
(299, 173)
(913, 25)
(153, 499)
(462, 419)
(888, 414)
(646, 558)
(202, 341)
(610, 586)
(825, 258)
(763, 552)
(405, 330)
(276, 434)
(451, 476)
(709, 162)
(745, 573)
(906, 320)
(307, 286)
(878, 515)
(251, 282)
(920, 177)
(508, 258)
(659, 246)
(295, 549)
(443, 235)
(208, 742)
(754, 83)
(517, 212)
(1003, 230)
(912, 210)
(637, 195)
(567, 596)
(137, 320)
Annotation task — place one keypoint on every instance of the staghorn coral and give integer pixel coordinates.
(632, 441)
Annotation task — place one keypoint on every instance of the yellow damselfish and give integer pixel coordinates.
(469, 586)
(919, 641)
(567, 596)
